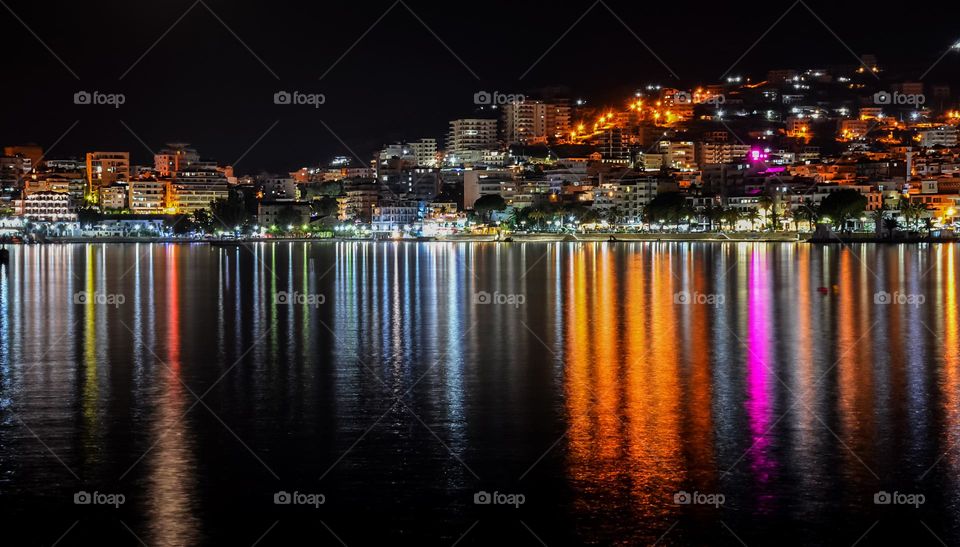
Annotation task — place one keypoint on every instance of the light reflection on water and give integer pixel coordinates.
(599, 396)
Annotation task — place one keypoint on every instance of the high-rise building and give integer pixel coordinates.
(173, 158)
(148, 195)
(105, 168)
(425, 152)
(468, 139)
(531, 122)
(612, 144)
(524, 122)
(421, 153)
(558, 117)
(187, 183)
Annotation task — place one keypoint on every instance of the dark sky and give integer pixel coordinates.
(200, 84)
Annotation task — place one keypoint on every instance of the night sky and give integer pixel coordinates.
(200, 83)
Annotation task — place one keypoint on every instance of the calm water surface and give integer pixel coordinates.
(198, 382)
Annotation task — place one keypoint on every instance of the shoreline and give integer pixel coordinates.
(597, 237)
(607, 237)
(614, 237)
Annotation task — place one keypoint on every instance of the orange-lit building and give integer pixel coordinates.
(105, 168)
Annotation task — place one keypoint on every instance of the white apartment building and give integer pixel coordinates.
(477, 184)
(425, 152)
(525, 122)
(943, 136)
(470, 138)
(194, 187)
(421, 153)
(530, 122)
(49, 206)
(114, 197)
(148, 196)
(721, 152)
(679, 155)
(391, 217)
(629, 194)
(190, 198)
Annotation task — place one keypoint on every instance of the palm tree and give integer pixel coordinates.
(765, 205)
(906, 210)
(731, 216)
(538, 215)
(807, 212)
(922, 210)
(516, 217)
(878, 220)
(912, 211)
(614, 215)
(713, 214)
(776, 215)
